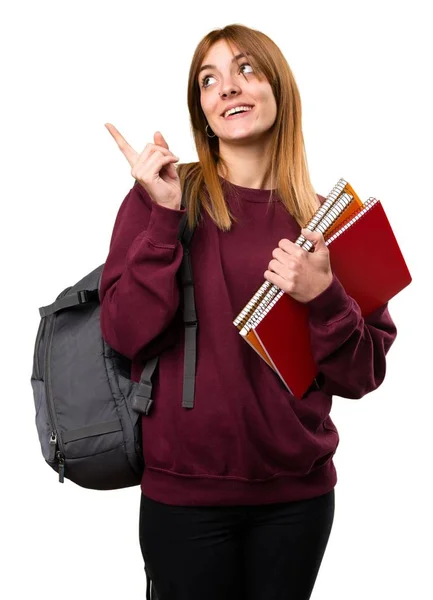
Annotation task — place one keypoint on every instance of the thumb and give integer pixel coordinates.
(159, 140)
(316, 238)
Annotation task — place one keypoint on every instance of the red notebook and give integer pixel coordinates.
(368, 262)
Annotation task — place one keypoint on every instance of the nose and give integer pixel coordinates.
(231, 89)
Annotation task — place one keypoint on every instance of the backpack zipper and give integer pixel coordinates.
(57, 450)
(56, 447)
(61, 460)
(36, 362)
(53, 447)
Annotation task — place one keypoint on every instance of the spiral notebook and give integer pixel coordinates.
(366, 259)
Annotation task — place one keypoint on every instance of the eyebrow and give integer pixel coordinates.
(234, 59)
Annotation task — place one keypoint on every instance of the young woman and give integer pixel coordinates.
(238, 489)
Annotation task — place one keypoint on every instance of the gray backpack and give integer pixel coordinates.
(87, 408)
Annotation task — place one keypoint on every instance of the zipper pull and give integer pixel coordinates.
(53, 447)
(61, 460)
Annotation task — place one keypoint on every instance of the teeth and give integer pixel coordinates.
(235, 110)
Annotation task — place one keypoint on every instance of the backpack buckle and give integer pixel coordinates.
(83, 296)
(142, 402)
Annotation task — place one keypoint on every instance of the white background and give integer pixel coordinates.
(364, 73)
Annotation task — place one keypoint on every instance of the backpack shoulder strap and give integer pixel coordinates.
(189, 312)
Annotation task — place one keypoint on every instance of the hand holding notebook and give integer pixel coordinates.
(302, 275)
(366, 259)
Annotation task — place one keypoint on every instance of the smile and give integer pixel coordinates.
(237, 112)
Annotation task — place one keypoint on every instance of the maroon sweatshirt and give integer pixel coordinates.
(247, 440)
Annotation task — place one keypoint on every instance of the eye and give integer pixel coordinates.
(203, 81)
(246, 65)
(241, 69)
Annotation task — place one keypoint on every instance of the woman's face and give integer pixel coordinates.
(223, 85)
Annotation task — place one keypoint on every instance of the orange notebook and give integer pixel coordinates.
(366, 259)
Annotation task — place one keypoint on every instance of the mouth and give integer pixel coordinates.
(237, 112)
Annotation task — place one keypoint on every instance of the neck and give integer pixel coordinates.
(246, 164)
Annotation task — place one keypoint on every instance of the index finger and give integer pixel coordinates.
(289, 247)
(128, 151)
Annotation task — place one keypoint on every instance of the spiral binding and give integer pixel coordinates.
(330, 199)
(368, 204)
(252, 304)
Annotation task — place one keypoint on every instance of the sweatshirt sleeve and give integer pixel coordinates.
(349, 350)
(139, 291)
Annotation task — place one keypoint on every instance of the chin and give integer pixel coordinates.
(247, 136)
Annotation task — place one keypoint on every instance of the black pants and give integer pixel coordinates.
(265, 552)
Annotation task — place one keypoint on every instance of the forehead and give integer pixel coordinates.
(220, 52)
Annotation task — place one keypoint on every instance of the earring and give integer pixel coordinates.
(211, 136)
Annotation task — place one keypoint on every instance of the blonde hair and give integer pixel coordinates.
(287, 163)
